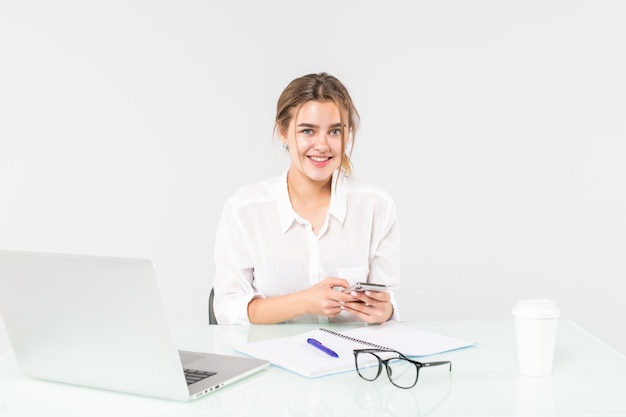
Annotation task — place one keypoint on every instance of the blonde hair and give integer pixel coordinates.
(320, 87)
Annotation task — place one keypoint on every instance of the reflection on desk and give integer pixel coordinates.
(589, 379)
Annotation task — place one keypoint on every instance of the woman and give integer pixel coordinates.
(285, 247)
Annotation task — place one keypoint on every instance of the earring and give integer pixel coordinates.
(285, 146)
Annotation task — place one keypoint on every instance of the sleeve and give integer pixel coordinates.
(234, 269)
(385, 253)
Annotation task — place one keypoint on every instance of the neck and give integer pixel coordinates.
(303, 191)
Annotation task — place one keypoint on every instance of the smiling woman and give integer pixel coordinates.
(284, 245)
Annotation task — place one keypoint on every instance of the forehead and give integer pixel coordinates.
(320, 111)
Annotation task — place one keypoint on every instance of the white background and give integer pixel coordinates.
(497, 126)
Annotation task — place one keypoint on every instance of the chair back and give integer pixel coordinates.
(212, 319)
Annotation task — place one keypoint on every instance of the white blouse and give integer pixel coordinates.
(264, 248)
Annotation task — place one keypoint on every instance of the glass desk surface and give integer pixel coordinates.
(589, 379)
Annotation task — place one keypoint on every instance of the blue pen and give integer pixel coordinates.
(323, 348)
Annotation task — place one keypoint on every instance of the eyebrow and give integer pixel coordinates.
(335, 125)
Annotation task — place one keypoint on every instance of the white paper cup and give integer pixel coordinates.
(535, 331)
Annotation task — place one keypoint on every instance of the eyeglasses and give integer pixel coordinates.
(402, 371)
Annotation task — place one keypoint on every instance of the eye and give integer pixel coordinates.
(335, 132)
(307, 131)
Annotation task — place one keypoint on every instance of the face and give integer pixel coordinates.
(314, 141)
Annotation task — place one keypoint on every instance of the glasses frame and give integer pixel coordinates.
(381, 362)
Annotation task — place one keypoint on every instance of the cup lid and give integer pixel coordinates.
(536, 309)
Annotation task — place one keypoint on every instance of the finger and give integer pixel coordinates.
(365, 313)
(360, 307)
(378, 295)
(336, 282)
(364, 297)
(372, 314)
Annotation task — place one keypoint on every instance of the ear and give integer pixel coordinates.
(281, 135)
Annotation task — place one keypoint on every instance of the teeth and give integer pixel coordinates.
(318, 159)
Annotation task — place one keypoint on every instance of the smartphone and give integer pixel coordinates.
(366, 286)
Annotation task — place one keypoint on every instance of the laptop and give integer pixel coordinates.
(101, 322)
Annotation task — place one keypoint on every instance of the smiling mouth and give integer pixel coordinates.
(320, 158)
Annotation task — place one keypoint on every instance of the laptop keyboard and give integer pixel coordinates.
(194, 375)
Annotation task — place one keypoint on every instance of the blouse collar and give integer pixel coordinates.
(338, 201)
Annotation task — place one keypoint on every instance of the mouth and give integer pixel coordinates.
(320, 159)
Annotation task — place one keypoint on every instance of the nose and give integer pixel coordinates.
(321, 142)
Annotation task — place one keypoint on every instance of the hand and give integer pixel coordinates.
(371, 306)
(323, 300)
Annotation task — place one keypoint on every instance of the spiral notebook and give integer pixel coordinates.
(295, 354)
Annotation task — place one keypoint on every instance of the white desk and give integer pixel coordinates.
(589, 379)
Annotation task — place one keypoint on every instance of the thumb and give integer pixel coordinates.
(336, 282)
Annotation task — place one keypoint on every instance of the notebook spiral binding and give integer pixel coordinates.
(354, 339)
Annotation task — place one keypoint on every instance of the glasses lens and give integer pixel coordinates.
(367, 365)
(402, 373)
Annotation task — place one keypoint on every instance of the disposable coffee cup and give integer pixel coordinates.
(535, 332)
